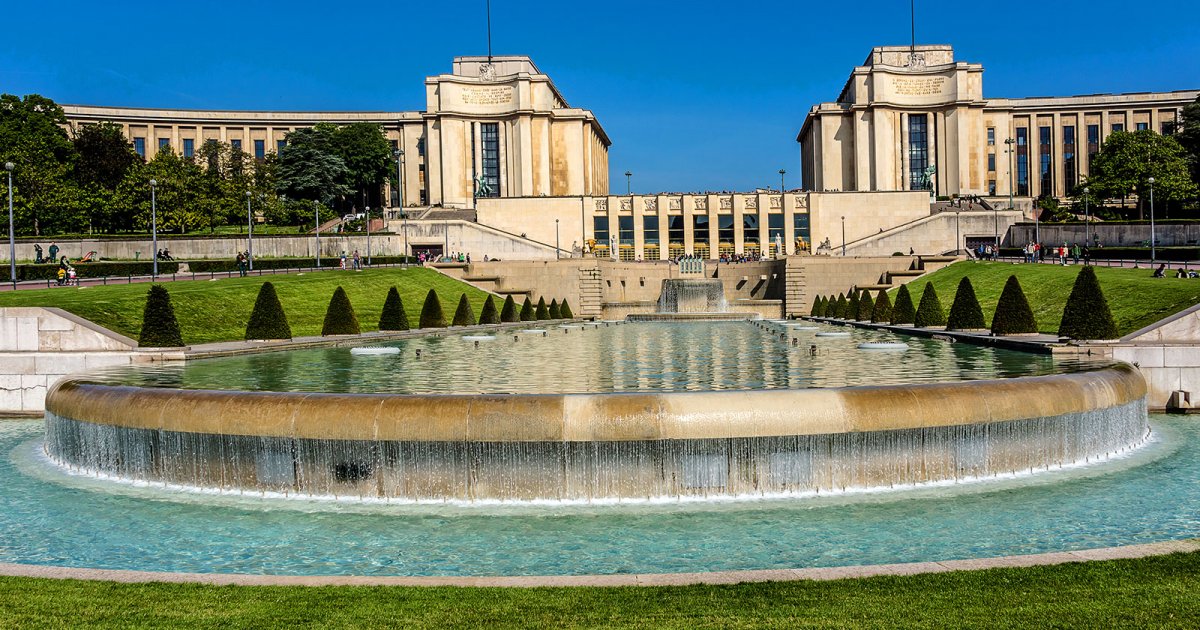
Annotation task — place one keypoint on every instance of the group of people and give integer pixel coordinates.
(355, 260)
(1182, 272)
(243, 263)
(39, 259)
(164, 254)
(66, 273)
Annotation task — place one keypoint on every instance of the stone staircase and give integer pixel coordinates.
(591, 291)
(493, 284)
(922, 265)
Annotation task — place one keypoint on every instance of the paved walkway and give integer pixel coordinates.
(175, 277)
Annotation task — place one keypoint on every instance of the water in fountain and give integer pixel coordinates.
(692, 295)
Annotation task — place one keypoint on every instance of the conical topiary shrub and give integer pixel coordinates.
(527, 314)
(267, 320)
(554, 312)
(1086, 315)
(508, 314)
(1013, 315)
(817, 308)
(929, 312)
(543, 311)
(431, 312)
(903, 312)
(565, 310)
(882, 313)
(839, 310)
(865, 306)
(851, 311)
(160, 329)
(463, 315)
(393, 316)
(965, 313)
(831, 306)
(339, 317)
(489, 314)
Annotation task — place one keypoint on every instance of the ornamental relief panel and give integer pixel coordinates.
(675, 203)
(727, 203)
(801, 201)
(626, 204)
(701, 203)
(752, 203)
(776, 203)
(602, 205)
(651, 204)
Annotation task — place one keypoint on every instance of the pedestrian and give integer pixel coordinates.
(53, 251)
(357, 261)
(241, 265)
(1075, 252)
(342, 260)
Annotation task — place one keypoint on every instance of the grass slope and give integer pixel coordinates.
(1136, 299)
(1155, 592)
(219, 310)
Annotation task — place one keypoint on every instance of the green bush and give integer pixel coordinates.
(818, 308)
(903, 312)
(267, 320)
(431, 312)
(543, 311)
(527, 314)
(929, 311)
(463, 315)
(851, 311)
(160, 329)
(565, 310)
(339, 317)
(831, 306)
(882, 313)
(121, 269)
(842, 306)
(965, 312)
(865, 306)
(1086, 315)
(393, 316)
(489, 314)
(1013, 315)
(554, 312)
(509, 314)
(219, 265)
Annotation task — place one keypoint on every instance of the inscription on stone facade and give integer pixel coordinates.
(919, 86)
(487, 95)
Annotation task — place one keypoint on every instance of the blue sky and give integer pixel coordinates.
(699, 95)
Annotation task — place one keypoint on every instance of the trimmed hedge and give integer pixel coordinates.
(1168, 254)
(1086, 315)
(464, 315)
(219, 265)
(554, 312)
(509, 313)
(489, 314)
(565, 310)
(393, 316)
(929, 312)
(818, 307)
(527, 313)
(851, 311)
(339, 317)
(965, 312)
(431, 312)
(102, 269)
(543, 311)
(865, 306)
(267, 320)
(1013, 315)
(839, 310)
(882, 313)
(903, 312)
(160, 329)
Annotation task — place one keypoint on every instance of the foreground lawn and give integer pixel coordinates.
(218, 310)
(1135, 298)
(1155, 592)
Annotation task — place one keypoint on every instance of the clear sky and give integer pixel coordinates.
(700, 95)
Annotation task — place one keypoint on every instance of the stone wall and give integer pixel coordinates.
(1166, 352)
(936, 234)
(1111, 235)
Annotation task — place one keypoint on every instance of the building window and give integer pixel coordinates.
(803, 235)
(279, 145)
(1093, 143)
(600, 230)
(675, 230)
(1045, 167)
(1068, 152)
(700, 233)
(1023, 161)
(260, 149)
(490, 141)
(1118, 127)
(139, 145)
(918, 150)
(189, 147)
(395, 145)
(725, 243)
(991, 136)
(775, 228)
(991, 162)
(236, 144)
(1143, 126)
(650, 229)
(991, 188)
(421, 147)
(750, 229)
(164, 143)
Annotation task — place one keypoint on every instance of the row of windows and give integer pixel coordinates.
(1070, 163)
(701, 228)
(260, 148)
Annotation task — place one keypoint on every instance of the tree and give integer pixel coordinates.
(882, 313)
(1128, 159)
(365, 151)
(160, 329)
(489, 314)
(310, 168)
(509, 312)
(33, 136)
(843, 305)
(1013, 315)
(543, 311)
(965, 312)
(554, 312)
(818, 308)
(393, 316)
(339, 317)
(865, 306)
(1086, 315)
(267, 320)
(565, 310)
(464, 315)
(177, 193)
(431, 312)
(1188, 135)
(903, 312)
(929, 311)
(527, 313)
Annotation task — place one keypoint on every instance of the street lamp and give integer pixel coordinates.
(628, 184)
(957, 232)
(154, 227)
(249, 233)
(782, 172)
(399, 153)
(843, 235)
(12, 241)
(317, 230)
(368, 209)
(557, 251)
(1152, 239)
(1087, 218)
(1009, 142)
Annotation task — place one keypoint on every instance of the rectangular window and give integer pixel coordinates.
(750, 229)
(600, 230)
(991, 136)
(279, 145)
(1068, 153)
(489, 134)
(1118, 127)
(260, 149)
(918, 150)
(675, 230)
(1023, 161)
(139, 145)
(1045, 166)
(625, 229)
(1143, 126)
(164, 143)
(1093, 143)
(803, 236)
(421, 147)
(725, 231)
(775, 228)
(189, 147)
(236, 144)
(991, 162)
(700, 229)
(991, 188)
(650, 229)
(395, 144)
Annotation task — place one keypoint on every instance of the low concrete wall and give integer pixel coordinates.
(935, 234)
(1111, 234)
(769, 309)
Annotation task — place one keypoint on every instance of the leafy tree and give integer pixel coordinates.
(464, 315)
(527, 312)
(339, 317)
(176, 192)
(267, 320)
(865, 306)
(310, 167)
(565, 310)
(431, 312)
(929, 311)
(509, 312)
(365, 151)
(554, 312)
(1128, 159)
(1188, 135)
(903, 312)
(882, 313)
(393, 316)
(489, 314)
(160, 329)
(1013, 315)
(33, 136)
(965, 312)
(1086, 315)
(543, 311)
(105, 155)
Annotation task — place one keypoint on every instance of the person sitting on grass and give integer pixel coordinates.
(1161, 272)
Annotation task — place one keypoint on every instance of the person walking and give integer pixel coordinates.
(1076, 252)
(53, 251)
(357, 261)
(342, 260)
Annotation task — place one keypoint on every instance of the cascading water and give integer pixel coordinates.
(692, 295)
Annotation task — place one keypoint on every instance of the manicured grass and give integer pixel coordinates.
(1135, 298)
(219, 310)
(1155, 592)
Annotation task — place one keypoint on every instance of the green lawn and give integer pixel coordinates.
(218, 310)
(1159, 592)
(1135, 298)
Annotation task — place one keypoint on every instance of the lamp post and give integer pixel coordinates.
(1009, 142)
(399, 153)
(249, 232)
(628, 182)
(317, 230)
(557, 251)
(12, 241)
(1087, 218)
(957, 232)
(782, 172)
(368, 209)
(843, 235)
(1152, 239)
(154, 227)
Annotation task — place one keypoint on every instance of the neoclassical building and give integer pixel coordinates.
(498, 121)
(908, 111)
